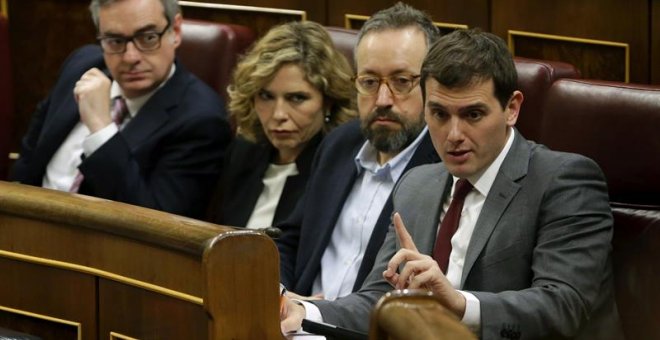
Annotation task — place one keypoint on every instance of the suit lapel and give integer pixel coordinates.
(501, 193)
(341, 179)
(58, 128)
(155, 112)
(425, 153)
(54, 132)
(426, 225)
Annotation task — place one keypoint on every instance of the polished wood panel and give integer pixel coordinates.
(58, 305)
(42, 35)
(6, 98)
(152, 315)
(260, 20)
(624, 22)
(604, 60)
(135, 272)
(315, 9)
(655, 42)
(473, 13)
(355, 22)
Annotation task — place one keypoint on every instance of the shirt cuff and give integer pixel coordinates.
(95, 140)
(472, 315)
(312, 312)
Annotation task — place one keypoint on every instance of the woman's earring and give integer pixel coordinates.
(327, 117)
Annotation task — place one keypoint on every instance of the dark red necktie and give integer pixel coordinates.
(449, 224)
(118, 113)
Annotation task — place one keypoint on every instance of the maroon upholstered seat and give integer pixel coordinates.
(636, 246)
(615, 124)
(344, 40)
(6, 108)
(210, 50)
(534, 80)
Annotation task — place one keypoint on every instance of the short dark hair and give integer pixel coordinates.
(171, 9)
(466, 57)
(397, 17)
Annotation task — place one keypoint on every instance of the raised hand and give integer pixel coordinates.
(92, 93)
(420, 271)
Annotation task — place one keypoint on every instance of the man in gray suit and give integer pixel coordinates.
(531, 255)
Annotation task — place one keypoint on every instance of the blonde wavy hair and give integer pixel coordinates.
(308, 45)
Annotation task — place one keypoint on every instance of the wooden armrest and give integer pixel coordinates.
(418, 314)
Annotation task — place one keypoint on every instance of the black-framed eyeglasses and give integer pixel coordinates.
(399, 84)
(143, 41)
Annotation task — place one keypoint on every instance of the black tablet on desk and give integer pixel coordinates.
(332, 331)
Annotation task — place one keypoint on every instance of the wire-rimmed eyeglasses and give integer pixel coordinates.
(399, 84)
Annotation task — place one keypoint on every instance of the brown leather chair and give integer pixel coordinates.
(637, 271)
(6, 106)
(344, 40)
(210, 50)
(534, 79)
(615, 124)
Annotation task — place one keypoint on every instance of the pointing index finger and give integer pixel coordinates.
(405, 239)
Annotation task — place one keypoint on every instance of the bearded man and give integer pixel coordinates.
(329, 243)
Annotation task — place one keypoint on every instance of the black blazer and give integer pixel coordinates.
(307, 232)
(167, 158)
(241, 183)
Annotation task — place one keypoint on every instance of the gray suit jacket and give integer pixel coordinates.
(539, 258)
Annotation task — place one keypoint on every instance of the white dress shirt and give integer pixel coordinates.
(62, 169)
(474, 202)
(342, 258)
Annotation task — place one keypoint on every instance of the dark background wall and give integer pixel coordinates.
(605, 39)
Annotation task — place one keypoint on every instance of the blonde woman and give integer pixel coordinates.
(289, 90)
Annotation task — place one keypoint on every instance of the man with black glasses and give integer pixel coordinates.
(329, 243)
(124, 121)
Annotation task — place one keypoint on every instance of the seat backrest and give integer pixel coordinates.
(6, 106)
(636, 246)
(344, 40)
(210, 50)
(615, 124)
(534, 79)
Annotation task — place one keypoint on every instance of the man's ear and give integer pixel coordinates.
(513, 108)
(176, 29)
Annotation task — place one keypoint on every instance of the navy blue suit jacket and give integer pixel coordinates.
(307, 232)
(168, 156)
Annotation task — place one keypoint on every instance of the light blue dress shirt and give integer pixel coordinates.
(343, 256)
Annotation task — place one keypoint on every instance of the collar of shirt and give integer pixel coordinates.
(135, 104)
(367, 159)
(484, 181)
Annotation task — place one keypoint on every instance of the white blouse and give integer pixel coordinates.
(274, 180)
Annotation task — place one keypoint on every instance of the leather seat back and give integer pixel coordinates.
(210, 50)
(534, 79)
(615, 124)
